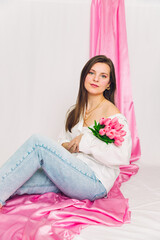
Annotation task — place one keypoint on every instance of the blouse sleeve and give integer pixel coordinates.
(107, 154)
(64, 136)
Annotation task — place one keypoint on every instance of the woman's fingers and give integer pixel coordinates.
(72, 146)
(65, 145)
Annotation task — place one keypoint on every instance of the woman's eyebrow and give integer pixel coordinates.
(104, 73)
(101, 72)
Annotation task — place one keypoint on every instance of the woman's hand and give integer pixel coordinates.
(73, 145)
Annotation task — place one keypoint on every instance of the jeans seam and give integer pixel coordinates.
(99, 194)
(37, 185)
(18, 163)
(54, 152)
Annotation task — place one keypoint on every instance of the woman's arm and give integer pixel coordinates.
(65, 139)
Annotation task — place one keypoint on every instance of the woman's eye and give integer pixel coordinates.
(91, 73)
(104, 76)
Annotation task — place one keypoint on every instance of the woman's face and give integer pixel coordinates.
(97, 79)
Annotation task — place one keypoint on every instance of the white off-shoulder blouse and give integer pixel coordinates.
(104, 159)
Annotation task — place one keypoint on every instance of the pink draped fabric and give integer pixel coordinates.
(53, 216)
(108, 36)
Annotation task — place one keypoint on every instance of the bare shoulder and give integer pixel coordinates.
(109, 109)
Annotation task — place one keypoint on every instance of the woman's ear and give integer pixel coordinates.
(108, 86)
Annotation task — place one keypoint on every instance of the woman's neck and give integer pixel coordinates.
(94, 101)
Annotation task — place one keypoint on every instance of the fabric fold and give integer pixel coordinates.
(55, 216)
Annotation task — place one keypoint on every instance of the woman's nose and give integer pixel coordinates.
(96, 78)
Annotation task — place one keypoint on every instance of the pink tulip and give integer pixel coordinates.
(104, 121)
(112, 129)
(118, 126)
(121, 139)
(107, 128)
(107, 121)
(102, 132)
(113, 122)
(122, 133)
(117, 135)
(117, 142)
(101, 121)
(111, 133)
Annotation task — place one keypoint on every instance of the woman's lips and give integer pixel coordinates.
(94, 85)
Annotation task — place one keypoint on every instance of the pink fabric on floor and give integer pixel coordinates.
(108, 37)
(53, 216)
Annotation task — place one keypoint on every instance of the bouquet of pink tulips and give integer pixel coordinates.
(109, 130)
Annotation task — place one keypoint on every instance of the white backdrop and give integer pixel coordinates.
(43, 47)
(143, 31)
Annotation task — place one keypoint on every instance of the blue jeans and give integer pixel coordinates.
(42, 165)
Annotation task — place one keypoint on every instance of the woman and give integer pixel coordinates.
(80, 165)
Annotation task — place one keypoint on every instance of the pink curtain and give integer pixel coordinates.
(108, 36)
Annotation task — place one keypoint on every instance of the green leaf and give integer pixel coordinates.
(102, 138)
(95, 131)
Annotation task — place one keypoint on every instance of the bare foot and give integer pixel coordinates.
(0, 206)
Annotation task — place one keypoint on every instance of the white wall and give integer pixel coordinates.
(43, 47)
(143, 31)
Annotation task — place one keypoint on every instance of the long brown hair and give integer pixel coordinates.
(82, 98)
